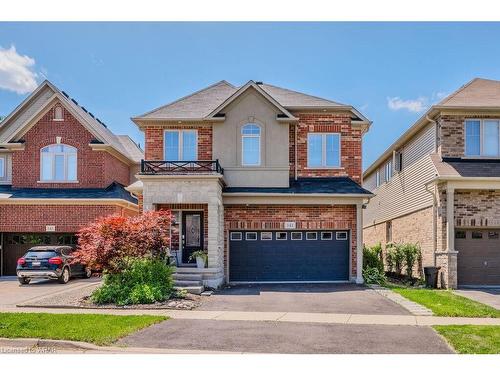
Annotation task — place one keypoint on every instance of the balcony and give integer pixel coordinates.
(164, 167)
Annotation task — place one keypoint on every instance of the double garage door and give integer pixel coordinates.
(288, 256)
(15, 245)
(478, 256)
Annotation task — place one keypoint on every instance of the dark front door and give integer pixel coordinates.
(192, 233)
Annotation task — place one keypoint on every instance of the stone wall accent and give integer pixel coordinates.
(350, 148)
(95, 169)
(273, 217)
(178, 191)
(154, 138)
(448, 272)
(66, 218)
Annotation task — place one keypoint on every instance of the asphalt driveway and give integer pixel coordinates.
(313, 298)
(281, 337)
(487, 296)
(11, 293)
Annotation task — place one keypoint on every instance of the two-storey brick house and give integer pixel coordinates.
(439, 185)
(265, 179)
(60, 168)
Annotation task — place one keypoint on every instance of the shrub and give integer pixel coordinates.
(395, 252)
(389, 260)
(373, 275)
(106, 243)
(411, 255)
(141, 280)
(372, 257)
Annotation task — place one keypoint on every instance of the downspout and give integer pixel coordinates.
(436, 125)
(295, 151)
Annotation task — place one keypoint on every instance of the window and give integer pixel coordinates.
(399, 161)
(58, 114)
(477, 235)
(342, 236)
(58, 163)
(280, 236)
(181, 145)
(250, 145)
(311, 236)
(388, 171)
(460, 234)
(377, 178)
(482, 138)
(323, 150)
(251, 236)
(236, 236)
(326, 236)
(296, 236)
(493, 235)
(266, 236)
(388, 231)
(3, 167)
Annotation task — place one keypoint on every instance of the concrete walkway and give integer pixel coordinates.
(258, 316)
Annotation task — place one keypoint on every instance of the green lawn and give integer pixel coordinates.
(469, 339)
(95, 328)
(446, 303)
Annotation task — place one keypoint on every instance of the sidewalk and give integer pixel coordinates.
(277, 316)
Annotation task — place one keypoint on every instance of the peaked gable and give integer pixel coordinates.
(479, 92)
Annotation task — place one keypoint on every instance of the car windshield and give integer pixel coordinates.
(41, 254)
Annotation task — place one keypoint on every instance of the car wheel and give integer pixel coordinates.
(23, 280)
(88, 273)
(64, 278)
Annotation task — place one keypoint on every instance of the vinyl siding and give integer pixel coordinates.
(405, 192)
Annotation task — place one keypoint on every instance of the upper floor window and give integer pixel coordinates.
(58, 113)
(482, 138)
(250, 144)
(58, 163)
(323, 150)
(181, 145)
(3, 167)
(388, 171)
(377, 178)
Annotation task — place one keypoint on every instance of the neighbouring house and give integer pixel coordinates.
(60, 168)
(265, 179)
(439, 185)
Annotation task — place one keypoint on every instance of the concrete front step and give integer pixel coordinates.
(192, 289)
(188, 282)
(188, 276)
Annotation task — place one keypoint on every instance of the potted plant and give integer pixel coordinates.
(201, 258)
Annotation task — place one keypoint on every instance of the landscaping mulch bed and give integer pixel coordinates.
(80, 298)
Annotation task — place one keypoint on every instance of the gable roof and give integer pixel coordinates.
(45, 95)
(206, 103)
(477, 94)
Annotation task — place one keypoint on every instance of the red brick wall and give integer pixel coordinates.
(66, 218)
(350, 148)
(96, 169)
(306, 217)
(154, 141)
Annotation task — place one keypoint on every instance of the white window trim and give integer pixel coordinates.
(3, 168)
(180, 150)
(266, 239)
(236, 239)
(250, 239)
(323, 151)
(65, 154)
(481, 139)
(259, 136)
(62, 113)
(388, 167)
(341, 239)
(377, 178)
(296, 239)
(281, 239)
(327, 239)
(312, 239)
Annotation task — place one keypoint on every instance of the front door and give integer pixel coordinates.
(192, 233)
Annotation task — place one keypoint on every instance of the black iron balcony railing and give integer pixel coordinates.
(152, 167)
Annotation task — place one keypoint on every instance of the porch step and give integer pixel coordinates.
(192, 289)
(188, 276)
(183, 283)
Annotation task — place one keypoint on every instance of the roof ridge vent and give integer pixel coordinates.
(259, 83)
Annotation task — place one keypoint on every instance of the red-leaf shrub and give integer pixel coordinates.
(109, 241)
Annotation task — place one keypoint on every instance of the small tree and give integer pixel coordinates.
(411, 254)
(109, 242)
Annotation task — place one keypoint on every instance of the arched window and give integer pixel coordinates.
(58, 163)
(250, 144)
(58, 113)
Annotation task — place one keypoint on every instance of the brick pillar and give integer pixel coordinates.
(448, 272)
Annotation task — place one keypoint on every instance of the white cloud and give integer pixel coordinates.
(412, 105)
(16, 71)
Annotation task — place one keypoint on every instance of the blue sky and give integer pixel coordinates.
(391, 72)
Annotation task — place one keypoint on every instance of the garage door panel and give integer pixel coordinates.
(288, 260)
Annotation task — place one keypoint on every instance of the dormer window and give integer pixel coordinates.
(58, 163)
(58, 113)
(250, 145)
